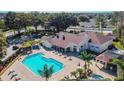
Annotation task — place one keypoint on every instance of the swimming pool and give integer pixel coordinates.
(96, 77)
(36, 62)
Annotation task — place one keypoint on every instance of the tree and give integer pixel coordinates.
(122, 41)
(86, 57)
(46, 72)
(84, 18)
(10, 20)
(101, 20)
(36, 22)
(74, 73)
(80, 71)
(25, 20)
(2, 45)
(113, 21)
(2, 25)
(62, 21)
(114, 18)
(78, 74)
(17, 21)
(120, 68)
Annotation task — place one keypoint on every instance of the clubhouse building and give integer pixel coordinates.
(69, 42)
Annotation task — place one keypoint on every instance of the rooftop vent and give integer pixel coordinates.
(63, 37)
(57, 36)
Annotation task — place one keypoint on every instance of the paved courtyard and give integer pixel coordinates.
(68, 66)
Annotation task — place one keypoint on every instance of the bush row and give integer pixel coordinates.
(4, 64)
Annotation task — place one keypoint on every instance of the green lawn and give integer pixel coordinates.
(29, 43)
(118, 45)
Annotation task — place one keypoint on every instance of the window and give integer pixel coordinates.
(92, 46)
(75, 46)
(97, 60)
(81, 46)
(96, 47)
(90, 41)
(101, 62)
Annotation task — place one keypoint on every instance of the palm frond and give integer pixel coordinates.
(46, 72)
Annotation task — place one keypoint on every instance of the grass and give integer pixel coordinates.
(29, 43)
(118, 45)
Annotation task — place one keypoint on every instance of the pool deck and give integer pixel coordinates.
(68, 66)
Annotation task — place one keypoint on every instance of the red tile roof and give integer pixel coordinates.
(103, 57)
(76, 38)
(98, 38)
(69, 38)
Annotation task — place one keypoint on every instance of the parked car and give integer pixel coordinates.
(15, 47)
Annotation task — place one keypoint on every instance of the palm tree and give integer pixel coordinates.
(36, 22)
(120, 68)
(2, 24)
(74, 73)
(46, 72)
(77, 74)
(86, 57)
(122, 41)
(79, 71)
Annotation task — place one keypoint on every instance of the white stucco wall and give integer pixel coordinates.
(84, 43)
(105, 45)
(71, 29)
(71, 45)
(46, 44)
(101, 47)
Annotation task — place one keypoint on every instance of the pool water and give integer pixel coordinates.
(96, 77)
(36, 62)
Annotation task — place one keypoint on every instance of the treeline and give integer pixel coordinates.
(17, 21)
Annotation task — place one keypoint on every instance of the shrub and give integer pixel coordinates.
(118, 79)
(107, 79)
(1, 65)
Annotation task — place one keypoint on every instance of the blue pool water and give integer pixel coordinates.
(96, 77)
(36, 62)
